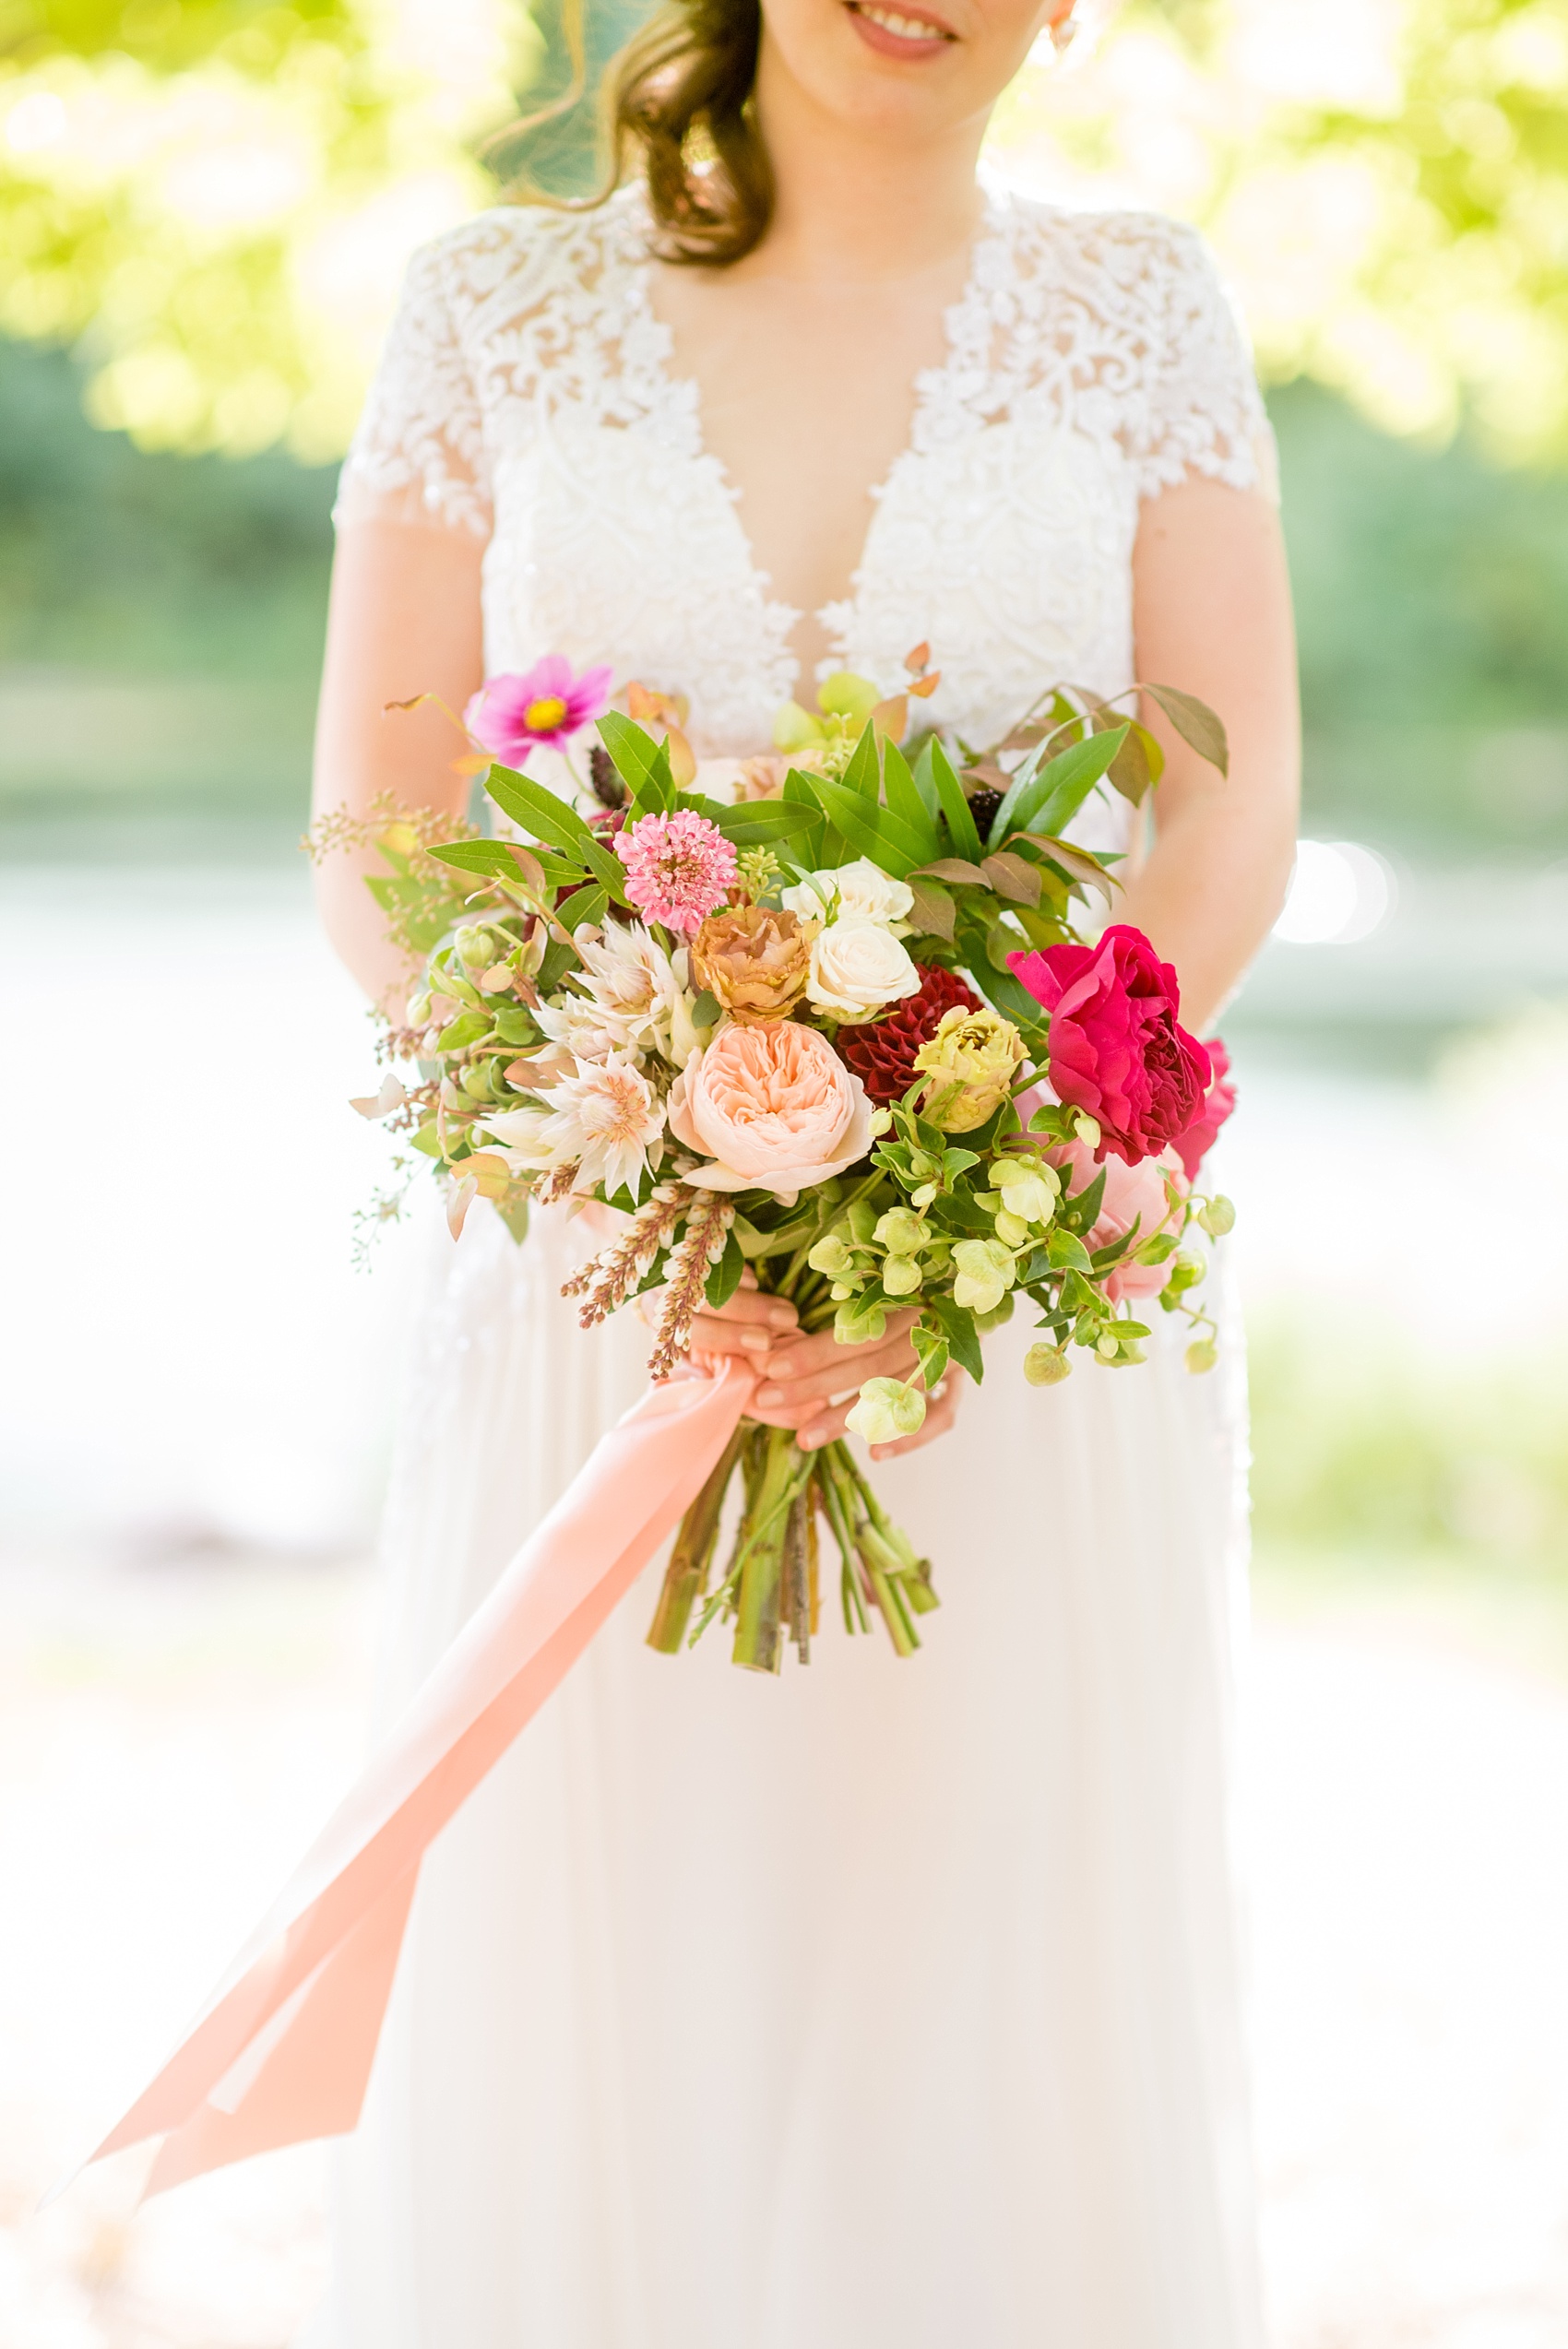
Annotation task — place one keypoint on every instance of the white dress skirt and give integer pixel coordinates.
(888, 2004)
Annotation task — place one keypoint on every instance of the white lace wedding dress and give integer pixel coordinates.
(889, 2005)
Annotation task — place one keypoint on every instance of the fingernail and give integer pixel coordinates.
(755, 1341)
(768, 1395)
(781, 1316)
(811, 1440)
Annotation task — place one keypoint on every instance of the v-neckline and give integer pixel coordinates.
(964, 321)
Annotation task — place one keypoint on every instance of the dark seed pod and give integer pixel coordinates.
(984, 805)
(608, 787)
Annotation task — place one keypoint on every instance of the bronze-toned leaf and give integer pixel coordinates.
(1195, 723)
(918, 661)
(1138, 765)
(951, 869)
(1013, 877)
(892, 717)
(1078, 863)
(932, 914)
(1129, 770)
(995, 779)
(926, 686)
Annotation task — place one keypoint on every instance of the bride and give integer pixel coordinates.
(893, 2005)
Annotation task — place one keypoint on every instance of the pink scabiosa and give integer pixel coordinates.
(539, 710)
(679, 868)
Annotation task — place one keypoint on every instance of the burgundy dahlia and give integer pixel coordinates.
(882, 1053)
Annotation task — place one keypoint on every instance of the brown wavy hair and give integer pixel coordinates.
(676, 104)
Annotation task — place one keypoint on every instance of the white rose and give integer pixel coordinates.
(865, 893)
(857, 967)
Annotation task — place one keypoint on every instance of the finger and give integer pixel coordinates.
(802, 1358)
(710, 1335)
(750, 1305)
(894, 1358)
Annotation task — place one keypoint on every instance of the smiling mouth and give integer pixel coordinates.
(894, 32)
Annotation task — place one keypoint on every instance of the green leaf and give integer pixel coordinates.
(1007, 996)
(584, 906)
(632, 748)
(477, 856)
(924, 777)
(957, 1327)
(1195, 722)
(1067, 1252)
(706, 1008)
(466, 1028)
(904, 800)
(760, 823)
(1054, 792)
(961, 829)
(513, 1211)
(930, 1352)
(799, 791)
(725, 1277)
(863, 773)
(541, 813)
(870, 830)
(1085, 1205)
(656, 794)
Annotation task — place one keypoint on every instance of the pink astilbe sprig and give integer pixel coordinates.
(680, 867)
(606, 1281)
(700, 1245)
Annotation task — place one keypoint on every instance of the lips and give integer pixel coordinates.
(900, 33)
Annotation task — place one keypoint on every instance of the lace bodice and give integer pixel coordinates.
(527, 395)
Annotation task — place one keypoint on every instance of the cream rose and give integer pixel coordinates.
(856, 967)
(864, 890)
(773, 1107)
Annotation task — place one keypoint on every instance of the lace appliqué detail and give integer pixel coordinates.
(527, 395)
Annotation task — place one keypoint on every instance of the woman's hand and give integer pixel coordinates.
(801, 1377)
(749, 1326)
(809, 1384)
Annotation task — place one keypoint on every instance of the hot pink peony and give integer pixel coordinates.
(1132, 1194)
(679, 868)
(1117, 1049)
(1194, 1146)
(540, 710)
(773, 1105)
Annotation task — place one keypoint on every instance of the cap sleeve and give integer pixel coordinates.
(1205, 414)
(418, 455)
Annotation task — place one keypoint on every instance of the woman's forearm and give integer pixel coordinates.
(1212, 617)
(1210, 891)
(404, 619)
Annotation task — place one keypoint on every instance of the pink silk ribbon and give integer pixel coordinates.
(282, 2051)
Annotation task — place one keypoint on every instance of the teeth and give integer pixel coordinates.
(906, 28)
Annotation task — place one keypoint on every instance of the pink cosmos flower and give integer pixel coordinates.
(540, 710)
(679, 868)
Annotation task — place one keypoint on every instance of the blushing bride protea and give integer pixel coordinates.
(604, 1121)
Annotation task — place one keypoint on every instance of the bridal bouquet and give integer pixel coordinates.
(828, 1017)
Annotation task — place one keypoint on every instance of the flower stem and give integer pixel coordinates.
(696, 1538)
